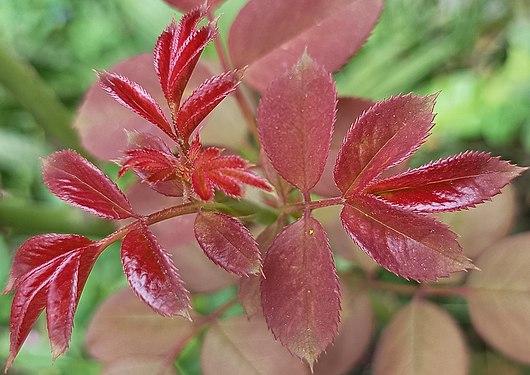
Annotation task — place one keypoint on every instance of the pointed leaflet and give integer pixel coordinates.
(269, 35)
(387, 133)
(459, 182)
(300, 291)
(228, 243)
(295, 121)
(421, 339)
(409, 244)
(80, 183)
(152, 274)
(49, 272)
(133, 96)
(203, 100)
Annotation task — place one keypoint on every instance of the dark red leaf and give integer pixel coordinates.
(295, 122)
(269, 35)
(133, 96)
(300, 291)
(152, 274)
(459, 182)
(410, 244)
(187, 5)
(203, 100)
(228, 243)
(49, 272)
(156, 166)
(386, 134)
(80, 183)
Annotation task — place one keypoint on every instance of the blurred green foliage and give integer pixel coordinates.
(475, 52)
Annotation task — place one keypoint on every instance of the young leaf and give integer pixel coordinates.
(228, 243)
(80, 183)
(49, 272)
(295, 122)
(409, 244)
(203, 100)
(134, 97)
(459, 182)
(499, 296)
(152, 275)
(237, 346)
(383, 136)
(300, 291)
(269, 35)
(421, 339)
(187, 5)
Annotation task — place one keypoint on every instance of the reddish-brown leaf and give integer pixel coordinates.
(228, 243)
(152, 274)
(269, 35)
(203, 100)
(134, 97)
(300, 291)
(295, 122)
(422, 339)
(459, 182)
(49, 272)
(187, 5)
(499, 296)
(237, 346)
(153, 165)
(80, 183)
(386, 134)
(409, 244)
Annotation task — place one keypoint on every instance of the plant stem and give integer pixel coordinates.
(423, 289)
(312, 205)
(35, 96)
(245, 108)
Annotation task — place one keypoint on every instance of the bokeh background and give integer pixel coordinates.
(476, 53)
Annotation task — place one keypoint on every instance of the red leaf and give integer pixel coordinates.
(409, 244)
(300, 291)
(459, 182)
(269, 35)
(49, 272)
(156, 166)
(152, 274)
(295, 122)
(80, 183)
(203, 100)
(228, 243)
(386, 134)
(187, 5)
(133, 96)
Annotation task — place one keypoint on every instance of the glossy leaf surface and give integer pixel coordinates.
(410, 244)
(499, 296)
(237, 346)
(78, 182)
(152, 274)
(49, 272)
(295, 122)
(386, 134)
(455, 183)
(300, 291)
(270, 35)
(228, 243)
(421, 339)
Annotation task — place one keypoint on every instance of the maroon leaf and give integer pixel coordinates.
(228, 243)
(295, 122)
(152, 274)
(203, 100)
(459, 182)
(187, 5)
(237, 346)
(409, 244)
(49, 272)
(269, 35)
(383, 136)
(133, 96)
(80, 183)
(300, 291)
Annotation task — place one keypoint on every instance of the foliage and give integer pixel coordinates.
(288, 276)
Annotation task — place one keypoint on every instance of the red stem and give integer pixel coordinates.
(311, 205)
(423, 289)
